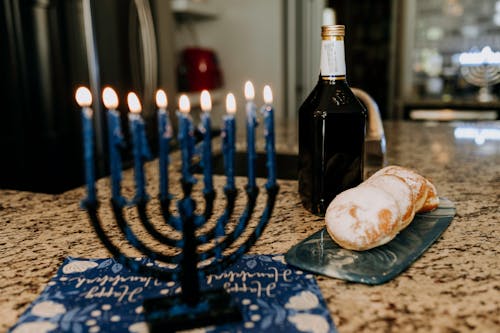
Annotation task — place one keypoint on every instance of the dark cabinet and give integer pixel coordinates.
(41, 61)
(50, 47)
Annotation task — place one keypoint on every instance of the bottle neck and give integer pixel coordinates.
(332, 58)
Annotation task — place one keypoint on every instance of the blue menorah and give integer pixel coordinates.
(206, 245)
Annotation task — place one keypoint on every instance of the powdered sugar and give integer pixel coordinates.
(362, 216)
(416, 182)
(399, 190)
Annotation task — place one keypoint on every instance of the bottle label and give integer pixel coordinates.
(332, 58)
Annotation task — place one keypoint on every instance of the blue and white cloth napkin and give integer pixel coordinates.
(100, 295)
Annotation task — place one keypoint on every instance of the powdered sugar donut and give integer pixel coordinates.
(362, 218)
(416, 182)
(374, 212)
(432, 199)
(400, 191)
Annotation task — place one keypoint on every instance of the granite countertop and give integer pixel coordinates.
(453, 287)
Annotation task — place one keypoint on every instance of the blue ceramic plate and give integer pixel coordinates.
(321, 255)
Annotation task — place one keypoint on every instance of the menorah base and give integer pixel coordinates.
(171, 314)
(485, 96)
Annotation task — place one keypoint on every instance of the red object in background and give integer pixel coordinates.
(199, 69)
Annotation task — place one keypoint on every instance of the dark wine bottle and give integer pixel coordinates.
(332, 126)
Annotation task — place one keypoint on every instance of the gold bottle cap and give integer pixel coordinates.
(332, 30)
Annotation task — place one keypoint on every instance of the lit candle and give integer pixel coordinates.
(268, 112)
(140, 146)
(228, 141)
(251, 113)
(84, 99)
(115, 141)
(206, 107)
(186, 138)
(164, 136)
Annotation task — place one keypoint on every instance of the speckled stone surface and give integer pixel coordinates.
(453, 287)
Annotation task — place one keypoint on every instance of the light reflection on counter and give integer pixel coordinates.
(479, 134)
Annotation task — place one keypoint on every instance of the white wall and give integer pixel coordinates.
(248, 38)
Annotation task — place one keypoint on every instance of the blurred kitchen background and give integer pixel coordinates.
(417, 58)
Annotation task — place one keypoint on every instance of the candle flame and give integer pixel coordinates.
(161, 99)
(133, 103)
(184, 104)
(230, 104)
(83, 97)
(110, 98)
(268, 95)
(249, 91)
(205, 101)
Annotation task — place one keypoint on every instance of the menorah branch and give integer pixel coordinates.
(142, 211)
(217, 266)
(130, 263)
